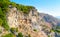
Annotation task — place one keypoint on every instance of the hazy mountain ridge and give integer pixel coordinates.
(53, 21)
(49, 18)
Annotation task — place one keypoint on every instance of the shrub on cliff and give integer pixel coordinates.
(20, 34)
(13, 30)
(23, 8)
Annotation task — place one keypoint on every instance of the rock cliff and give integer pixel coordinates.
(25, 21)
(28, 24)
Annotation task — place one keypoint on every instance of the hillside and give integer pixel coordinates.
(18, 20)
(50, 19)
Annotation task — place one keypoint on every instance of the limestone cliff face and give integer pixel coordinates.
(28, 24)
(33, 24)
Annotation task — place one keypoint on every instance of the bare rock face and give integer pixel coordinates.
(28, 24)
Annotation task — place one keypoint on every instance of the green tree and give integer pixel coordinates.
(3, 7)
(1, 12)
(1, 21)
(5, 25)
(4, 3)
(13, 4)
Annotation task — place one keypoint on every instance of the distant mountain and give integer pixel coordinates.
(53, 22)
(50, 19)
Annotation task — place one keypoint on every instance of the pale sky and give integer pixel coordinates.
(51, 7)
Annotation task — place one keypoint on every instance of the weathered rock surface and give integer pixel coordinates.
(26, 23)
(34, 24)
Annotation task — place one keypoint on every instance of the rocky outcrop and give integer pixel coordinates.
(33, 24)
(26, 23)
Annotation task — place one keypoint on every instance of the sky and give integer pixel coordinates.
(51, 7)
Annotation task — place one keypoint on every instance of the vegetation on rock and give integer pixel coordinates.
(13, 30)
(20, 34)
(35, 29)
(4, 5)
(8, 35)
